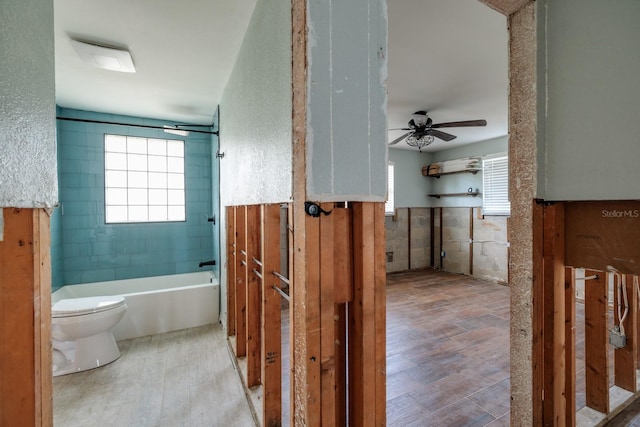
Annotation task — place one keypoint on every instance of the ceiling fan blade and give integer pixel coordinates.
(466, 123)
(442, 135)
(395, 141)
(400, 129)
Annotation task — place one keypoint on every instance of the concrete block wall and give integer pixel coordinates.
(490, 248)
(408, 239)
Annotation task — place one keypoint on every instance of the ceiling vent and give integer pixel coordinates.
(108, 58)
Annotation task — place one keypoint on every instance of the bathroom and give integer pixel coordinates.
(88, 246)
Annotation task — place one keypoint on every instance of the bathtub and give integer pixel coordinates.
(156, 304)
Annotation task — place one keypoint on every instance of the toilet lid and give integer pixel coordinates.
(86, 305)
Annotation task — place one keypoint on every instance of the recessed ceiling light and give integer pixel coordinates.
(108, 58)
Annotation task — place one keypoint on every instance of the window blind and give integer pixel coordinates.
(389, 206)
(495, 181)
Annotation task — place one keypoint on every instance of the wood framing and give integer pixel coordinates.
(537, 333)
(241, 282)
(231, 270)
(570, 337)
(554, 404)
(596, 344)
(625, 358)
(25, 286)
(366, 319)
(327, 315)
(271, 318)
(254, 292)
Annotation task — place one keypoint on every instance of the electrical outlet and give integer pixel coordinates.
(442, 254)
(616, 339)
(389, 256)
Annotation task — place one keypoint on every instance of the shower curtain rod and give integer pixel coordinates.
(175, 127)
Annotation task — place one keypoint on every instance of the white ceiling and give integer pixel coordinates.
(183, 53)
(448, 57)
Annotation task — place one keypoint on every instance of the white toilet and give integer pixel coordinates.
(81, 332)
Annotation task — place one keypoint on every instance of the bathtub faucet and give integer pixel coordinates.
(202, 264)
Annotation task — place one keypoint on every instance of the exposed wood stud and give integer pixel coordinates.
(537, 351)
(271, 318)
(570, 336)
(25, 286)
(596, 343)
(231, 270)
(625, 358)
(327, 317)
(554, 315)
(241, 284)
(253, 295)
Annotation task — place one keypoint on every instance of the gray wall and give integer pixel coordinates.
(27, 111)
(411, 188)
(346, 104)
(590, 143)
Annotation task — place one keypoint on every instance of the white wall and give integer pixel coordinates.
(346, 103)
(255, 112)
(27, 110)
(590, 142)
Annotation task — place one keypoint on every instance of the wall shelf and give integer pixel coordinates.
(438, 175)
(437, 196)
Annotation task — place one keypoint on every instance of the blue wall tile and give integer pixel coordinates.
(87, 249)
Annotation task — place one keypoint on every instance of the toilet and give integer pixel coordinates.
(81, 332)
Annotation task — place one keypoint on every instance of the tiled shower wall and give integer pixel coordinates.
(92, 250)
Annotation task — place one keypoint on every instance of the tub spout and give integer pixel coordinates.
(202, 264)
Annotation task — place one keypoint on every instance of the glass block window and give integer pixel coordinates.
(144, 179)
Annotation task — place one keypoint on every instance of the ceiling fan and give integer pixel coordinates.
(422, 130)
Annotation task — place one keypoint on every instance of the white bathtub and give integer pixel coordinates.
(156, 304)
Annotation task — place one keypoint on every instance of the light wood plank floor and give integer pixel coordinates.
(182, 378)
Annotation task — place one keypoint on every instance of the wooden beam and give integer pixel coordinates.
(626, 358)
(365, 320)
(241, 283)
(341, 365)
(554, 315)
(342, 259)
(380, 318)
(254, 295)
(231, 270)
(537, 335)
(570, 336)
(327, 244)
(271, 318)
(25, 319)
(596, 342)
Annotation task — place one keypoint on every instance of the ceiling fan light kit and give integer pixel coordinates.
(422, 131)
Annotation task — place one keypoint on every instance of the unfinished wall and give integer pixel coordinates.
(27, 111)
(408, 239)
(346, 150)
(490, 247)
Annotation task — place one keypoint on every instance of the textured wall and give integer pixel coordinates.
(27, 107)
(346, 147)
(255, 112)
(592, 138)
(95, 251)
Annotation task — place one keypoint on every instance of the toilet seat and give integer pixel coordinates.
(87, 305)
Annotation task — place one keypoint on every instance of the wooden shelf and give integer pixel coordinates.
(437, 196)
(472, 171)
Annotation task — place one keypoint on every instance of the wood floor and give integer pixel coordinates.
(447, 351)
